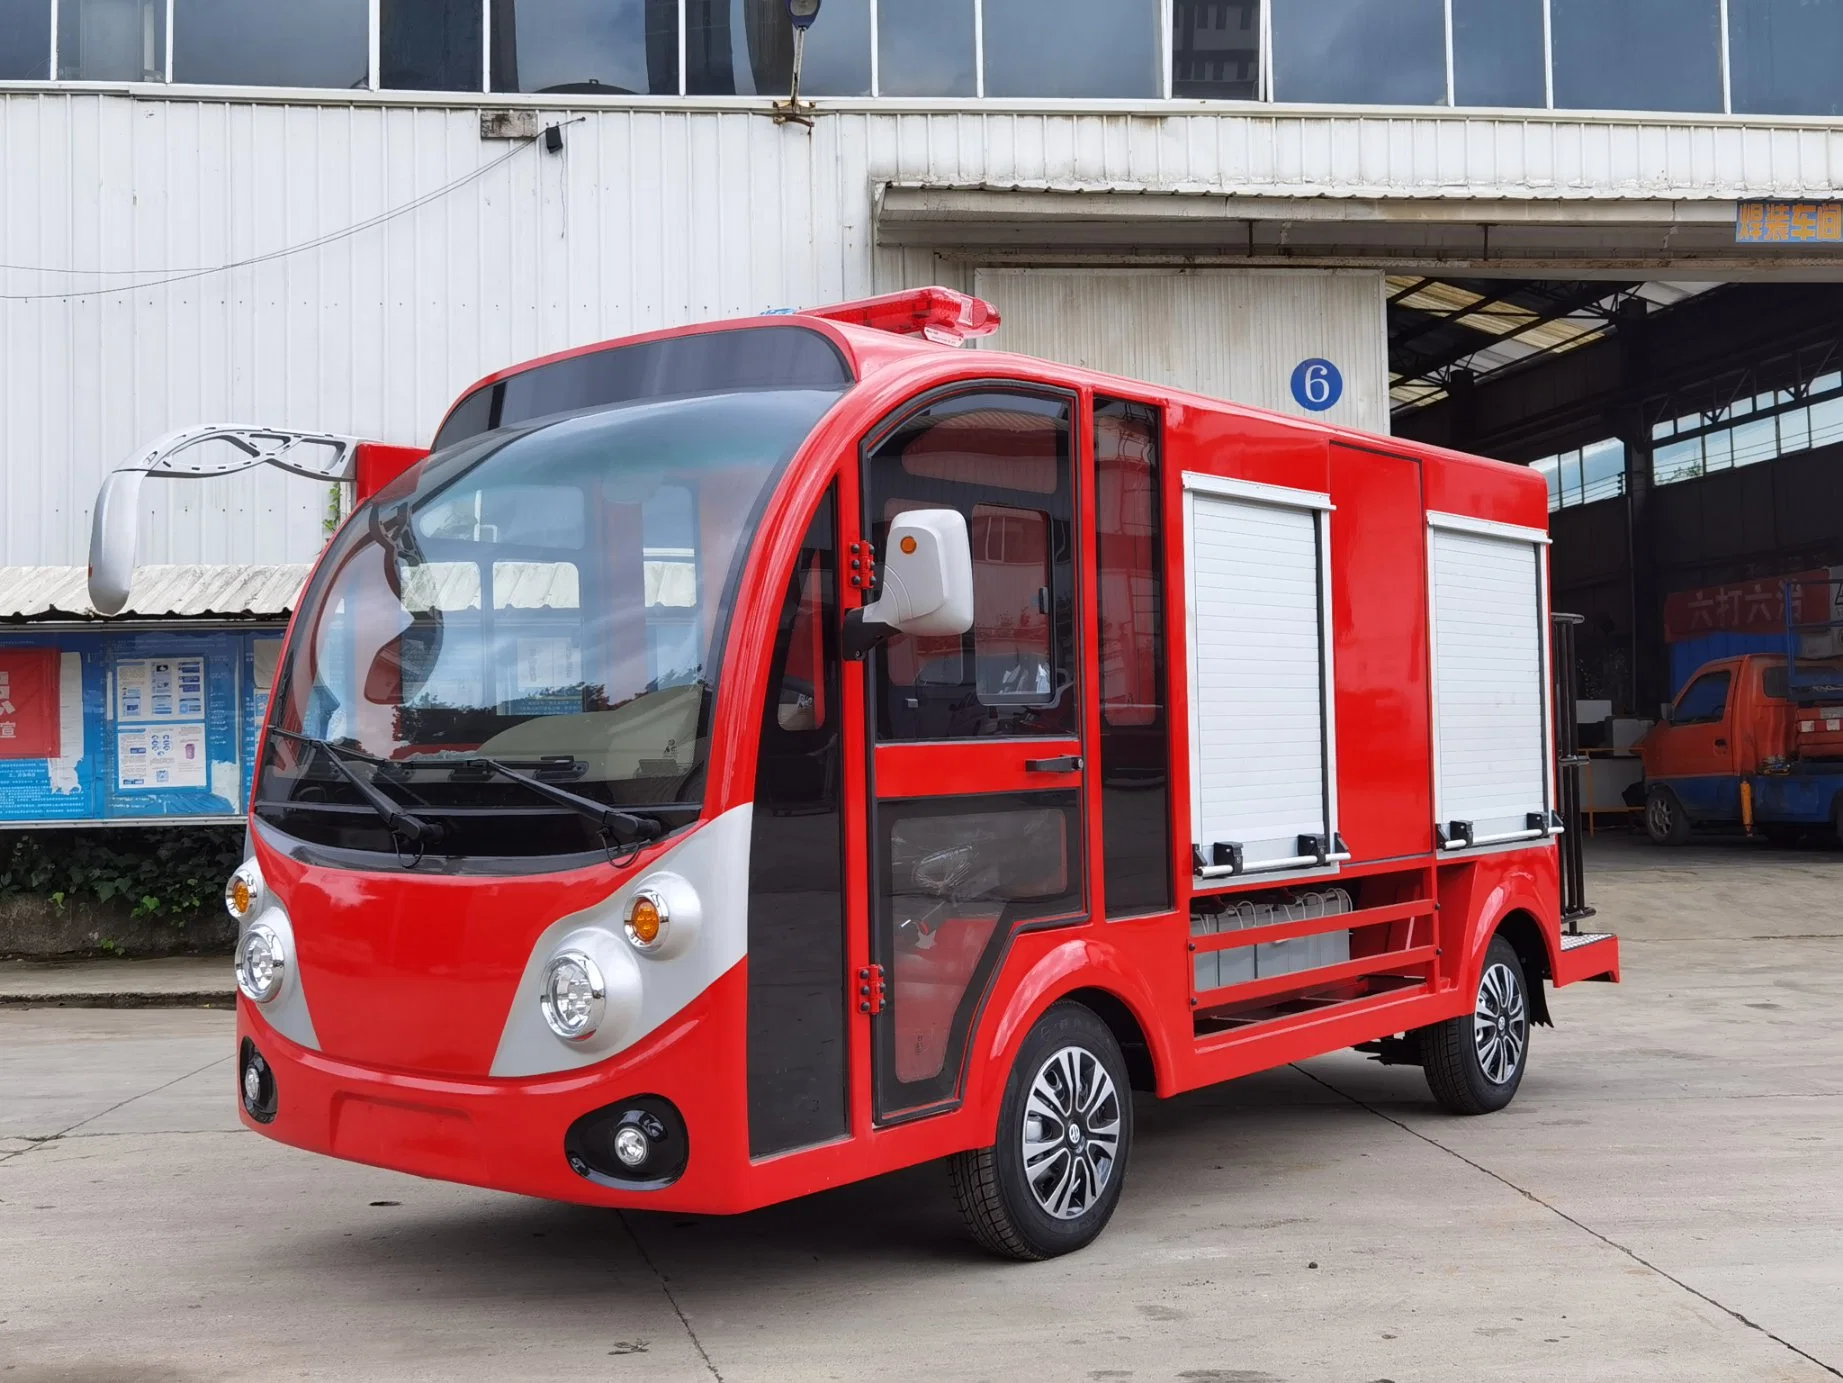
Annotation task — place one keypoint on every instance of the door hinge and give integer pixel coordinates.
(870, 989)
(863, 564)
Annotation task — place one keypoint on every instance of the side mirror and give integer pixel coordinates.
(927, 582)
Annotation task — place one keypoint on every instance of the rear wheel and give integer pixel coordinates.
(1050, 1183)
(1665, 821)
(1475, 1063)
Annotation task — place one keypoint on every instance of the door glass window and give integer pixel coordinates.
(1703, 701)
(960, 874)
(1002, 461)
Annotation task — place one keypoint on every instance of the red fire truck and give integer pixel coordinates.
(748, 758)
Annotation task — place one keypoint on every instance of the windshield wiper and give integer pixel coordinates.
(623, 826)
(401, 823)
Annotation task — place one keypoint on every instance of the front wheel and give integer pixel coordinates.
(1475, 1063)
(1050, 1183)
(1665, 821)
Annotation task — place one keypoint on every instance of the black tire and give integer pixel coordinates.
(993, 1186)
(1466, 1073)
(1665, 821)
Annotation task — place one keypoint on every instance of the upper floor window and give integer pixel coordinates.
(1595, 471)
(1776, 56)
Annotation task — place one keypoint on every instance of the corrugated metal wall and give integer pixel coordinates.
(651, 216)
(1230, 333)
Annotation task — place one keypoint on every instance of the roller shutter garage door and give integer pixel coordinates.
(1489, 682)
(1258, 672)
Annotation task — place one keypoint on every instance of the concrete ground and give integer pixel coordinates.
(1660, 1202)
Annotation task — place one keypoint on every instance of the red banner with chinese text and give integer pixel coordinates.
(1746, 607)
(29, 703)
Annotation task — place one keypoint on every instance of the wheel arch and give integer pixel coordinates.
(1526, 937)
(1117, 1014)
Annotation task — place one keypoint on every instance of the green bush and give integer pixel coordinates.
(174, 873)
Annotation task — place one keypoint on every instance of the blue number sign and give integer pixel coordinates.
(1317, 385)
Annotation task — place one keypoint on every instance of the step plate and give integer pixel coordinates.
(1577, 940)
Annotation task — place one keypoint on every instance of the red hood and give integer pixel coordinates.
(417, 972)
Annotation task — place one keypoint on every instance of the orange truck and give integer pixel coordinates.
(1754, 741)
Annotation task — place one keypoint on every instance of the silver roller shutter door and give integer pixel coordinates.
(1489, 719)
(1257, 677)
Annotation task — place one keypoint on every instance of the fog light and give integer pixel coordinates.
(257, 1084)
(647, 920)
(631, 1146)
(262, 962)
(574, 997)
(243, 891)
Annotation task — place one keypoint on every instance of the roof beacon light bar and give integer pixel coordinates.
(939, 314)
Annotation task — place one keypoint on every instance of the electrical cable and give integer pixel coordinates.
(185, 275)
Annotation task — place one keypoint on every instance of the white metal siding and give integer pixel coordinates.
(1256, 685)
(656, 213)
(1230, 333)
(1488, 681)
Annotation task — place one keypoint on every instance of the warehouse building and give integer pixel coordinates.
(1602, 237)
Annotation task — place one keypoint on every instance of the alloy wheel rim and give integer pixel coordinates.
(1071, 1135)
(1500, 1024)
(1660, 816)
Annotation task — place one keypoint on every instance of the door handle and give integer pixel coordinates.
(1068, 763)
(1721, 744)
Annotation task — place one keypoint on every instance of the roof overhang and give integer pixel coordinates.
(1563, 237)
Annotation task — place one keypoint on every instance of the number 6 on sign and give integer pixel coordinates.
(1317, 385)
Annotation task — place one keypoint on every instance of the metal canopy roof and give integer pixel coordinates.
(30, 595)
(1441, 326)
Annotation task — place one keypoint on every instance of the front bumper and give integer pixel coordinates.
(508, 1134)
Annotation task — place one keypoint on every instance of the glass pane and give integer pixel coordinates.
(1073, 48)
(926, 48)
(1636, 54)
(1360, 52)
(586, 47)
(1216, 49)
(797, 1003)
(1571, 477)
(1784, 56)
(1703, 700)
(111, 40)
(1002, 461)
(1827, 421)
(1135, 753)
(1794, 430)
(1603, 470)
(1497, 53)
(1718, 451)
(1011, 604)
(429, 45)
(305, 43)
(25, 40)
(746, 48)
(956, 876)
(1677, 461)
(1756, 441)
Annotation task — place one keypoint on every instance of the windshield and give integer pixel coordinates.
(544, 600)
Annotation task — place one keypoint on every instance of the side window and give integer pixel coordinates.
(1703, 701)
(1001, 460)
(1134, 739)
(1773, 683)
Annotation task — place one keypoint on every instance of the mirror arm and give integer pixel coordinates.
(862, 635)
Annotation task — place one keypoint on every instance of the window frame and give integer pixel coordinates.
(1725, 676)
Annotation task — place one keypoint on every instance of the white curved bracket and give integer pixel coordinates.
(116, 520)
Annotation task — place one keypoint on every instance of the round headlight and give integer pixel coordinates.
(574, 997)
(243, 891)
(647, 919)
(262, 962)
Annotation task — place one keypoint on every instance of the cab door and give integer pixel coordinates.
(1695, 752)
(976, 742)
